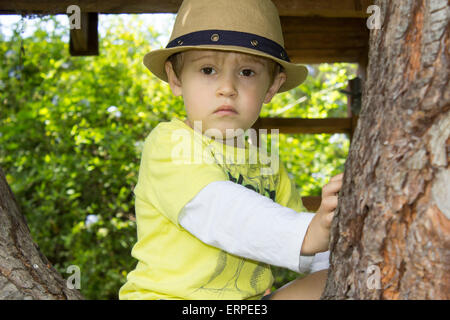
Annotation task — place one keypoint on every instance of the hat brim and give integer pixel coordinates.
(155, 60)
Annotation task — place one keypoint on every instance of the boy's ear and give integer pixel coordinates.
(277, 83)
(174, 82)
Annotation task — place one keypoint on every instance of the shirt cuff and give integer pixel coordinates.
(321, 261)
(298, 232)
(305, 262)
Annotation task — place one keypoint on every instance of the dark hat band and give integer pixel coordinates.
(230, 38)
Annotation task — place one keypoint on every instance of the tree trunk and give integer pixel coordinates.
(390, 238)
(25, 273)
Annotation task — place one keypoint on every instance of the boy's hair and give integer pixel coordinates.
(177, 62)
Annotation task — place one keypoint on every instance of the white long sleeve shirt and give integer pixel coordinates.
(245, 223)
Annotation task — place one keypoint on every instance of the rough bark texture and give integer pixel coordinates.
(394, 206)
(25, 273)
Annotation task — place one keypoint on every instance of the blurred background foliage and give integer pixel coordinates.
(72, 130)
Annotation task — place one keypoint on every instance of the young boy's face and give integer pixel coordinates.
(212, 79)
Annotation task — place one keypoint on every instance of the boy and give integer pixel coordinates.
(210, 219)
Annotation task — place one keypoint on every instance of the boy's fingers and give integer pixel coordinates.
(331, 188)
(329, 203)
(330, 217)
(337, 177)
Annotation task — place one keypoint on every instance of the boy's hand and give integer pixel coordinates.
(317, 236)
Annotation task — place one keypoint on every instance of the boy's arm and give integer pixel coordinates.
(240, 221)
(317, 238)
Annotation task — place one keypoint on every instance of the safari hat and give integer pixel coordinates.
(247, 26)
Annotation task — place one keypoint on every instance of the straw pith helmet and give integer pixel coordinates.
(247, 26)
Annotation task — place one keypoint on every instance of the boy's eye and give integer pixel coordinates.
(247, 72)
(208, 70)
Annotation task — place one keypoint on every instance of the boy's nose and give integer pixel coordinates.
(227, 86)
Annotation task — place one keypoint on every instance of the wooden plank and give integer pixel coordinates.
(302, 125)
(84, 41)
(324, 41)
(320, 25)
(325, 8)
(305, 32)
(100, 6)
(312, 203)
(328, 8)
(318, 40)
(308, 40)
(313, 56)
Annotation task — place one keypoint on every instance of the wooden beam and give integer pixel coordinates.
(324, 8)
(312, 203)
(328, 8)
(320, 25)
(302, 125)
(84, 41)
(362, 65)
(99, 6)
(308, 39)
(314, 56)
(317, 40)
(343, 31)
(350, 114)
(324, 41)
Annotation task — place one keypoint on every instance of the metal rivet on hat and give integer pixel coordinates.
(180, 42)
(254, 43)
(215, 37)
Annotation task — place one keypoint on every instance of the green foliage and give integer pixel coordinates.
(71, 134)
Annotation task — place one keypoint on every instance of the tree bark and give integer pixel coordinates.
(25, 273)
(390, 238)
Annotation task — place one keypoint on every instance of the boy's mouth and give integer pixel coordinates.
(225, 109)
